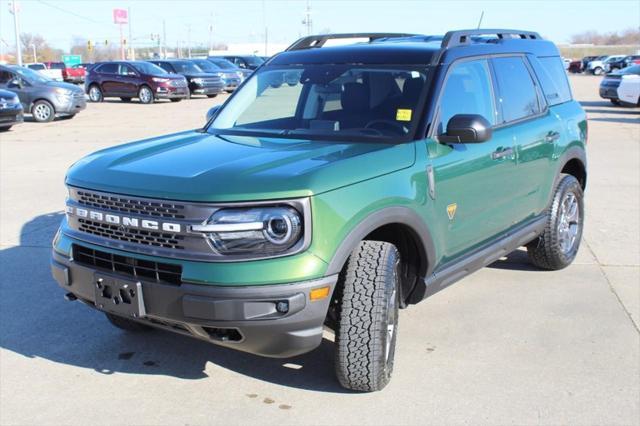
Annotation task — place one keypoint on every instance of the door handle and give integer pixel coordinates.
(552, 137)
(501, 153)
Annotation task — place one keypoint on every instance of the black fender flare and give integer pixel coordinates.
(385, 216)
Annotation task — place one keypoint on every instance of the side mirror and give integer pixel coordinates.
(467, 128)
(14, 84)
(212, 111)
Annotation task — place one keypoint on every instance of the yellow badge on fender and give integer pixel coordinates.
(451, 210)
(403, 114)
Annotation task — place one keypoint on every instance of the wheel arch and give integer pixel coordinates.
(574, 163)
(402, 227)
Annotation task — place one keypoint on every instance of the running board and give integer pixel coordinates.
(458, 269)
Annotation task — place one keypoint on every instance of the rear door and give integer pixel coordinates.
(471, 182)
(108, 78)
(535, 131)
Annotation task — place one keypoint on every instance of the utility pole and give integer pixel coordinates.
(35, 54)
(164, 38)
(307, 20)
(15, 8)
(132, 52)
(189, 40)
(210, 34)
(266, 30)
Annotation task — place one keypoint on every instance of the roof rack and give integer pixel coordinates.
(463, 37)
(316, 41)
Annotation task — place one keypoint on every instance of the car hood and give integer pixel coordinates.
(194, 166)
(61, 85)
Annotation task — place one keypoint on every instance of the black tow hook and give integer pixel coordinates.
(70, 297)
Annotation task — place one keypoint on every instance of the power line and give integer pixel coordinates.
(71, 13)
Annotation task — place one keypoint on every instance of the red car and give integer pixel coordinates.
(70, 75)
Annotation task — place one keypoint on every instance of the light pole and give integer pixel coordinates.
(15, 8)
(35, 54)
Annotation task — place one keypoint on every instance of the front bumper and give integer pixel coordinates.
(11, 115)
(172, 92)
(239, 317)
(609, 93)
(206, 90)
(70, 106)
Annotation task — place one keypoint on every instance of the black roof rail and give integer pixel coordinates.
(316, 41)
(463, 37)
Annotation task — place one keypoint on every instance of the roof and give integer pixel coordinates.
(411, 49)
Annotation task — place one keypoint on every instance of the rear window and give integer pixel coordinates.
(57, 66)
(518, 94)
(553, 79)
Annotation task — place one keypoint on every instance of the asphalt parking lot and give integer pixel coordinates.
(508, 345)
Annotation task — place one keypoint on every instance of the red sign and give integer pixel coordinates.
(120, 16)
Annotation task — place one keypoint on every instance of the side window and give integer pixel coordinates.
(467, 90)
(553, 78)
(108, 69)
(518, 95)
(5, 77)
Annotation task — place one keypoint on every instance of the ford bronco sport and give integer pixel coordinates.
(390, 169)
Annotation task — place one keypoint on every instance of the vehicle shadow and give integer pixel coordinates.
(517, 260)
(619, 120)
(595, 104)
(38, 323)
(618, 110)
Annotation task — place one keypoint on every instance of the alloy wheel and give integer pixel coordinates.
(42, 112)
(569, 222)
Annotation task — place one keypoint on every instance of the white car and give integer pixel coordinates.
(622, 87)
(53, 74)
(599, 67)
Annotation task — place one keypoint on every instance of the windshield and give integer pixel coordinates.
(340, 102)
(30, 75)
(185, 67)
(253, 60)
(224, 64)
(206, 66)
(148, 68)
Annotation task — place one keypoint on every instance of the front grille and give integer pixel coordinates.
(132, 235)
(214, 81)
(128, 266)
(178, 83)
(129, 205)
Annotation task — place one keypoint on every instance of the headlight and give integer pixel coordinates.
(197, 80)
(261, 231)
(160, 79)
(10, 101)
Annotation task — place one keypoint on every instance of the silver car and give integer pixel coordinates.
(40, 96)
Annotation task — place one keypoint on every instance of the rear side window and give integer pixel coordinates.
(467, 90)
(553, 78)
(518, 95)
(57, 65)
(108, 68)
(165, 66)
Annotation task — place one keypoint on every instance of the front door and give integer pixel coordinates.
(472, 182)
(128, 80)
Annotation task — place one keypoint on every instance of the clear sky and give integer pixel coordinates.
(241, 21)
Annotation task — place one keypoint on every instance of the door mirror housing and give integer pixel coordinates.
(15, 83)
(467, 128)
(212, 111)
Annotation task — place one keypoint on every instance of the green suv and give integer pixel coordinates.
(339, 184)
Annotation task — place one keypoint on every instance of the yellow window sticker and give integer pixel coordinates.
(403, 114)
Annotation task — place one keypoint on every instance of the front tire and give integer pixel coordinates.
(127, 324)
(615, 101)
(145, 94)
(4, 128)
(43, 111)
(367, 316)
(558, 245)
(598, 71)
(176, 99)
(212, 96)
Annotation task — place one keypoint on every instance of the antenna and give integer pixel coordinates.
(480, 21)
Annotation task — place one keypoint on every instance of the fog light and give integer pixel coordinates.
(282, 307)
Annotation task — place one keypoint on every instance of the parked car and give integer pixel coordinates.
(598, 66)
(249, 62)
(622, 87)
(229, 66)
(10, 110)
(69, 74)
(230, 79)
(53, 74)
(385, 175)
(40, 96)
(622, 63)
(200, 82)
(134, 79)
(575, 66)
